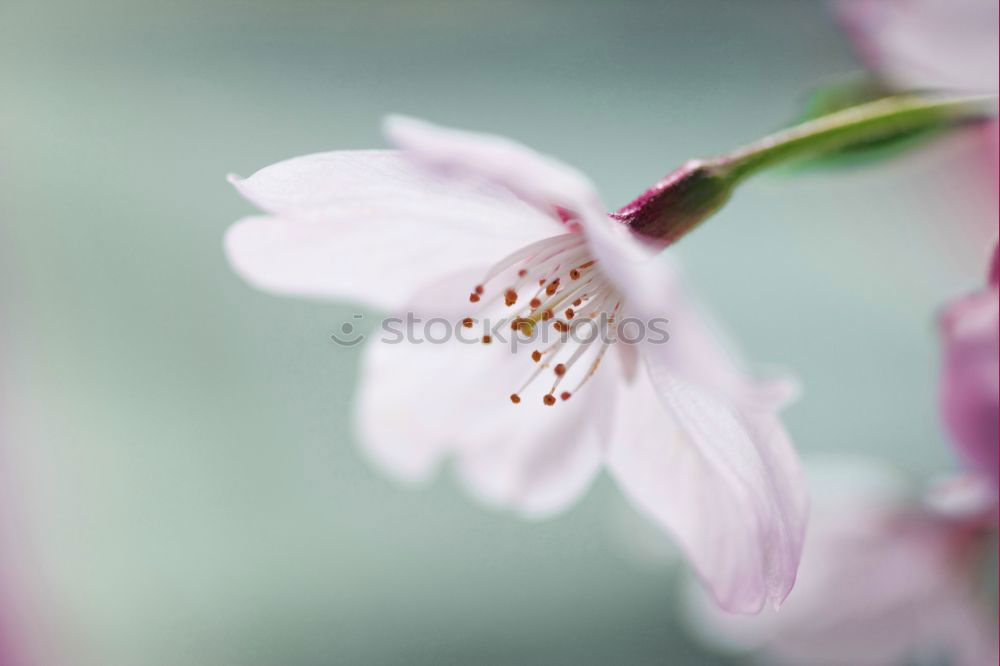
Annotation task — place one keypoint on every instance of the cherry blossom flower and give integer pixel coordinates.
(970, 379)
(885, 579)
(470, 228)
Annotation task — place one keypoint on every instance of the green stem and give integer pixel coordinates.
(858, 124)
(695, 191)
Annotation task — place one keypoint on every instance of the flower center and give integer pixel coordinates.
(552, 293)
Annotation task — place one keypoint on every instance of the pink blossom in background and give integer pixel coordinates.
(947, 46)
(970, 376)
(886, 579)
(927, 44)
(951, 45)
(467, 226)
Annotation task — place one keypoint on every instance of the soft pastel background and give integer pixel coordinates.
(178, 477)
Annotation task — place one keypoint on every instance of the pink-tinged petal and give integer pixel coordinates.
(725, 483)
(700, 353)
(539, 179)
(709, 462)
(696, 351)
(371, 226)
(880, 583)
(927, 44)
(419, 404)
(970, 387)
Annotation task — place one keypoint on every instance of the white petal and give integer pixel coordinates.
(350, 179)
(539, 464)
(400, 414)
(539, 179)
(420, 403)
(725, 483)
(369, 225)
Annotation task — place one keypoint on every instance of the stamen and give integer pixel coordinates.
(551, 351)
(561, 242)
(547, 269)
(562, 297)
(599, 299)
(522, 326)
(569, 363)
(567, 281)
(593, 366)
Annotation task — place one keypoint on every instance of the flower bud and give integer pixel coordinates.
(678, 202)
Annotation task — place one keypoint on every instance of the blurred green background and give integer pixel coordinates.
(180, 484)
